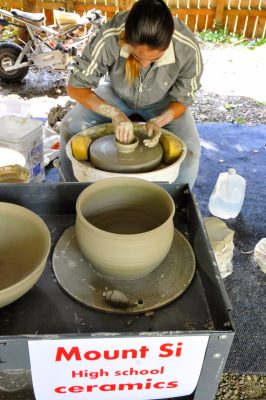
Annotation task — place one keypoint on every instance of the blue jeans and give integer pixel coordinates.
(80, 118)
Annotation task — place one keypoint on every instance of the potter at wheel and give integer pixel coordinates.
(105, 155)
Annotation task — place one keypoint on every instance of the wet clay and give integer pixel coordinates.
(11, 180)
(125, 222)
(14, 174)
(85, 171)
(83, 283)
(108, 111)
(24, 248)
(105, 155)
(9, 271)
(124, 226)
(127, 147)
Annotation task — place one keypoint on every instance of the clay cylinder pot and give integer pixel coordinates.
(124, 226)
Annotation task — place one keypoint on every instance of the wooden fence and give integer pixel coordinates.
(244, 17)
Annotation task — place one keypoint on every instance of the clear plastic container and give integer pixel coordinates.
(14, 107)
(25, 137)
(228, 195)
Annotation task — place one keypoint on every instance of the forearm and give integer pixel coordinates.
(88, 99)
(175, 110)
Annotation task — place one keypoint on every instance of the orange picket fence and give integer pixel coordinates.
(244, 17)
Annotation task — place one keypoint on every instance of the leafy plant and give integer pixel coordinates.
(8, 33)
(218, 36)
(239, 121)
(252, 43)
(222, 36)
(230, 106)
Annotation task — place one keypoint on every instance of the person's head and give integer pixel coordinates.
(148, 31)
(149, 23)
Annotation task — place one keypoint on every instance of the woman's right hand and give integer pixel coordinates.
(123, 126)
(123, 129)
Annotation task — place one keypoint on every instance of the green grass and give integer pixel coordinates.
(239, 121)
(222, 36)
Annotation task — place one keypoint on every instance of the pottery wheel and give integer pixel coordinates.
(163, 285)
(105, 156)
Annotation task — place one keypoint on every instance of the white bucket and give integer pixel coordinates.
(85, 171)
(25, 136)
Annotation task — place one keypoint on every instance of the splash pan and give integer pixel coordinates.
(85, 171)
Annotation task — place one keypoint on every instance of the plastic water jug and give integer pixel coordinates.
(228, 195)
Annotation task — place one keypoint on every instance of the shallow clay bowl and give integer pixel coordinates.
(124, 226)
(24, 247)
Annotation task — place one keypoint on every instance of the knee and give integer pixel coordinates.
(194, 149)
(73, 123)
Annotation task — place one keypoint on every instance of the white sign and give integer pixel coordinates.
(132, 368)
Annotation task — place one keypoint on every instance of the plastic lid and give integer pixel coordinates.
(231, 171)
(14, 129)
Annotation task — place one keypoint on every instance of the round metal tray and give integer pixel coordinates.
(167, 282)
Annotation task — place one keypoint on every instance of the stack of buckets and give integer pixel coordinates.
(21, 144)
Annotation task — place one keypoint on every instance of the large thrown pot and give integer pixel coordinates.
(24, 247)
(124, 226)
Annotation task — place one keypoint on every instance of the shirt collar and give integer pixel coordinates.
(167, 58)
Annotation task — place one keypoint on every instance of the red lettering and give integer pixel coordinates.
(92, 355)
(159, 385)
(60, 389)
(119, 373)
(148, 383)
(108, 356)
(179, 349)
(76, 389)
(171, 385)
(168, 351)
(107, 388)
(62, 352)
(143, 351)
(90, 387)
(129, 386)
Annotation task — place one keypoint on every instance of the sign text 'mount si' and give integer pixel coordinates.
(112, 368)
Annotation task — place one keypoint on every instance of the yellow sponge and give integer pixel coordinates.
(172, 148)
(80, 147)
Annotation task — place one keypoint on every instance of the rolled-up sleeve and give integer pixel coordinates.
(188, 80)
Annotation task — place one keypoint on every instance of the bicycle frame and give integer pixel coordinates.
(35, 45)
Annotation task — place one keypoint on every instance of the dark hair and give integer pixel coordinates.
(149, 22)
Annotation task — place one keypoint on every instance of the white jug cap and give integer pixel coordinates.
(231, 171)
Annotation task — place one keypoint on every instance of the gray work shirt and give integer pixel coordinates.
(176, 74)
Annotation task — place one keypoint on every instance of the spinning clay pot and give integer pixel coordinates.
(124, 226)
(127, 147)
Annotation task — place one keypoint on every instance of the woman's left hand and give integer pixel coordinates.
(153, 132)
